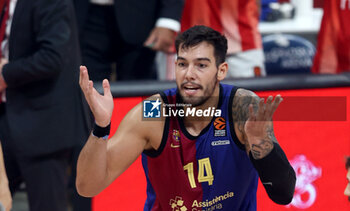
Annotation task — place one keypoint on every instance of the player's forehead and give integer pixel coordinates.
(199, 51)
(348, 174)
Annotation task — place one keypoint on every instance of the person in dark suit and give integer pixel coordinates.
(126, 32)
(43, 117)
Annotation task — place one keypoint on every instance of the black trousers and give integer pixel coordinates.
(45, 176)
(102, 45)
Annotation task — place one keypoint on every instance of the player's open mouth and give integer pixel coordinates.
(191, 90)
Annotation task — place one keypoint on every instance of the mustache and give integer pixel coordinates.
(191, 83)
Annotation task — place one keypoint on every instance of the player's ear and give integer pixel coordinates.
(222, 71)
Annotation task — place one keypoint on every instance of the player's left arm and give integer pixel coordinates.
(254, 128)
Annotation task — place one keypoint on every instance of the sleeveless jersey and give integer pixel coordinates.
(211, 171)
(333, 44)
(237, 19)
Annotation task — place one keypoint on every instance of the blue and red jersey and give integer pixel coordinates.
(211, 171)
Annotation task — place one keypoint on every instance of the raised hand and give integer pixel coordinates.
(259, 127)
(100, 105)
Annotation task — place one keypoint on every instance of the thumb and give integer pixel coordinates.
(106, 88)
(151, 39)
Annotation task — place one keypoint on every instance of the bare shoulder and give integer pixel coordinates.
(245, 93)
(240, 110)
(241, 101)
(147, 129)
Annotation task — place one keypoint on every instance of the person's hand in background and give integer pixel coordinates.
(161, 39)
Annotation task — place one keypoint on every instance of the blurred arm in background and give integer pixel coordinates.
(162, 37)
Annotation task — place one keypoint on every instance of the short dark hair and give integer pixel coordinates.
(198, 34)
(347, 162)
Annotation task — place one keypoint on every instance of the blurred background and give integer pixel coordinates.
(297, 48)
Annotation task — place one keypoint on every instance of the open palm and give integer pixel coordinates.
(100, 105)
(259, 125)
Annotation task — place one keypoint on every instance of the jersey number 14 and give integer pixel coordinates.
(205, 173)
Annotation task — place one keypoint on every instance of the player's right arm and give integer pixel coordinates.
(100, 162)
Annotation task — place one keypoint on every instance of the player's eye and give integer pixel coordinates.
(202, 65)
(181, 64)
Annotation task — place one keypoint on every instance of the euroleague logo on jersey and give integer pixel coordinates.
(219, 123)
(219, 126)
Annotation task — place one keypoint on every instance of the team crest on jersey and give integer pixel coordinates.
(175, 143)
(219, 127)
(176, 135)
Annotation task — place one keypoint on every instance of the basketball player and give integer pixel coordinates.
(193, 162)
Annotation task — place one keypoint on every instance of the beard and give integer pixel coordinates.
(195, 101)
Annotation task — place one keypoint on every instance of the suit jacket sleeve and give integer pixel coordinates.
(171, 9)
(52, 32)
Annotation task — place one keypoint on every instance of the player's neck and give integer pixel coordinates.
(195, 124)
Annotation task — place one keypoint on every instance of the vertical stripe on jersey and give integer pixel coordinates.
(236, 19)
(229, 17)
(325, 60)
(333, 44)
